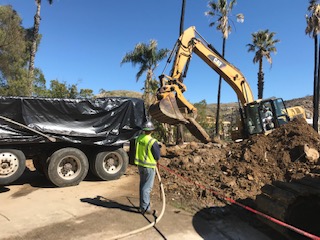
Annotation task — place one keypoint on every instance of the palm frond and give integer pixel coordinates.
(222, 11)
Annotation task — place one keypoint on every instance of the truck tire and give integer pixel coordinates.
(110, 165)
(12, 165)
(67, 167)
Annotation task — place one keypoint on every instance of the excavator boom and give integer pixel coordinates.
(171, 106)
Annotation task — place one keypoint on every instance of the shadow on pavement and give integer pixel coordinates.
(4, 189)
(107, 203)
(34, 178)
(38, 180)
(231, 222)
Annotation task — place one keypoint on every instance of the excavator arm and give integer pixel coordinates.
(171, 106)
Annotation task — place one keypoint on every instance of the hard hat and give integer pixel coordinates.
(148, 126)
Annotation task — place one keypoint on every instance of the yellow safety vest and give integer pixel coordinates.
(144, 156)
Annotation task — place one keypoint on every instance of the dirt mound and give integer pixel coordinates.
(238, 170)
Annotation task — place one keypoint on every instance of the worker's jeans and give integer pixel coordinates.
(146, 183)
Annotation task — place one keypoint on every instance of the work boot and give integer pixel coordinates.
(149, 212)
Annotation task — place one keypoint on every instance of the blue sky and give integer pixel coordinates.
(84, 42)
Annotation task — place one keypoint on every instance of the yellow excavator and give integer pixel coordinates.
(172, 107)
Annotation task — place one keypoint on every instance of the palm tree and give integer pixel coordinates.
(182, 17)
(147, 57)
(313, 29)
(180, 135)
(222, 10)
(35, 37)
(263, 44)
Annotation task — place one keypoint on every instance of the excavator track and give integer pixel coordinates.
(296, 203)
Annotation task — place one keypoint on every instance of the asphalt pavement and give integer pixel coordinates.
(32, 208)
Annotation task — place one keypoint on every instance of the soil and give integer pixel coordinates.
(198, 175)
(208, 176)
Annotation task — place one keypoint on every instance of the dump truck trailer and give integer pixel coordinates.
(65, 138)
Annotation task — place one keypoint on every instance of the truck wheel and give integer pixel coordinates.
(110, 165)
(12, 165)
(67, 167)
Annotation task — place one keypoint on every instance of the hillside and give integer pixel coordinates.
(228, 110)
(119, 93)
(305, 102)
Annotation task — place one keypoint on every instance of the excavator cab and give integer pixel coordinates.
(262, 116)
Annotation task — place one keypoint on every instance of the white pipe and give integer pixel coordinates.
(157, 219)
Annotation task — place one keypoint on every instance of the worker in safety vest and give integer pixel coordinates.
(146, 157)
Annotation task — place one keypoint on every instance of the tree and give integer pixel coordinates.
(313, 29)
(222, 10)
(13, 53)
(182, 17)
(35, 38)
(12, 41)
(147, 56)
(263, 44)
(180, 134)
(62, 90)
(202, 115)
(86, 93)
(58, 89)
(15, 45)
(39, 85)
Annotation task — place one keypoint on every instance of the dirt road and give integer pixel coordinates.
(33, 208)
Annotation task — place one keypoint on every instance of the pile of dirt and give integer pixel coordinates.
(237, 170)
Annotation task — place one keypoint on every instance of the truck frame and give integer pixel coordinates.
(65, 138)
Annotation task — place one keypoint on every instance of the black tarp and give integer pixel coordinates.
(102, 121)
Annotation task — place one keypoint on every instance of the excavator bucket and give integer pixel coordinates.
(167, 111)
